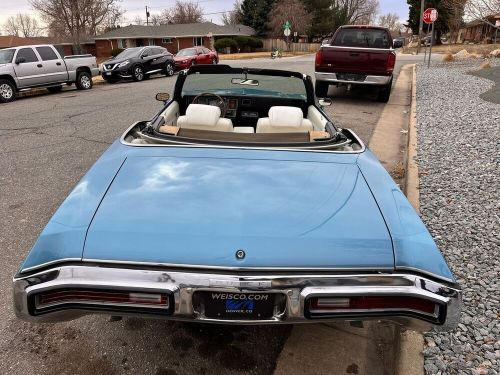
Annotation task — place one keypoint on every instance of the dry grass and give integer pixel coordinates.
(476, 49)
(399, 171)
(485, 65)
(448, 57)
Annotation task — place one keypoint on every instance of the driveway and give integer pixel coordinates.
(47, 143)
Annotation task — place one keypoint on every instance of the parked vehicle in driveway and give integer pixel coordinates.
(26, 67)
(239, 202)
(138, 63)
(357, 55)
(188, 57)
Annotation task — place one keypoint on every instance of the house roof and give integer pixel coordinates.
(176, 31)
(7, 41)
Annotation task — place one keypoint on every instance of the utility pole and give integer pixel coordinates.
(147, 16)
(420, 25)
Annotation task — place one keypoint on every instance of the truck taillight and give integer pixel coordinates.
(319, 57)
(391, 61)
(322, 305)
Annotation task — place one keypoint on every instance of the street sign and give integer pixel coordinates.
(287, 32)
(430, 15)
(287, 25)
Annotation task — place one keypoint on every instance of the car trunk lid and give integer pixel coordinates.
(200, 212)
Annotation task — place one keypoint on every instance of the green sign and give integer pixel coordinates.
(287, 25)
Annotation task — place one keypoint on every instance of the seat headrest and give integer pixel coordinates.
(202, 114)
(285, 116)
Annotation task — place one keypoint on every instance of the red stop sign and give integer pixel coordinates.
(430, 15)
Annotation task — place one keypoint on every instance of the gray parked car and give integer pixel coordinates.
(26, 67)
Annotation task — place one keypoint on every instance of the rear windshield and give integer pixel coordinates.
(368, 38)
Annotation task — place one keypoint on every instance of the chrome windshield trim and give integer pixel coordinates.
(182, 286)
(191, 145)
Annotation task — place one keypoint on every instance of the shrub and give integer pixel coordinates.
(448, 57)
(222, 44)
(242, 41)
(255, 42)
(116, 51)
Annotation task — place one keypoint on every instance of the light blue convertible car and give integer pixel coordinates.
(240, 202)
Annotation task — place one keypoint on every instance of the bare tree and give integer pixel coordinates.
(22, 25)
(389, 20)
(155, 20)
(183, 12)
(138, 20)
(482, 10)
(455, 13)
(77, 18)
(358, 11)
(233, 17)
(293, 11)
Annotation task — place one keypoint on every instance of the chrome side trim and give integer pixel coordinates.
(423, 272)
(124, 142)
(181, 285)
(52, 262)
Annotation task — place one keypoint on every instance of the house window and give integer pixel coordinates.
(166, 40)
(151, 42)
(122, 43)
(198, 41)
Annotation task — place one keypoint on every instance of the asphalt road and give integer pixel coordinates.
(47, 143)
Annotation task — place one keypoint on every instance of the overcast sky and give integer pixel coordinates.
(133, 8)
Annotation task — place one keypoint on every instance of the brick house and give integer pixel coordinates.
(174, 37)
(480, 32)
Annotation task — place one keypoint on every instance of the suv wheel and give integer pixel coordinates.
(169, 69)
(7, 91)
(83, 81)
(321, 89)
(138, 74)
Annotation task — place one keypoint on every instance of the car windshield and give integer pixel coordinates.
(247, 85)
(6, 56)
(362, 37)
(187, 52)
(128, 53)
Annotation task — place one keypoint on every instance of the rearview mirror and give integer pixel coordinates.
(244, 81)
(325, 102)
(163, 97)
(20, 60)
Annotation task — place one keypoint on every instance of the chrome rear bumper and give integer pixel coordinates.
(369, 80)
(181, 286)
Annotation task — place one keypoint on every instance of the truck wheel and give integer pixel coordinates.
(83, 81)
(138, 74)
(321, 89)
(169, 70)
(7, 91)
(385, 93)
(54, 89)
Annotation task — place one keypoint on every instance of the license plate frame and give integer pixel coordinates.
(108, 73)
(238, 306)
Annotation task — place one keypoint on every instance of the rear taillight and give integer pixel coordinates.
(391, 62)
(322, 305)
(319, 57)
(101, 297)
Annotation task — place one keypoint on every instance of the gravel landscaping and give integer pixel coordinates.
(458, 159)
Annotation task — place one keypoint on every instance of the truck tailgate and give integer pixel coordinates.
(369, 61)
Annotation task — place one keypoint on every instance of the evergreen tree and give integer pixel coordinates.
(322, 17)
(441, 25)
(255, 13)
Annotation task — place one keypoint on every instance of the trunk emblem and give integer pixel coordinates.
(240, 254)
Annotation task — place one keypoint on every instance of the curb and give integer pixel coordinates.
(410, 360)
(97, 80)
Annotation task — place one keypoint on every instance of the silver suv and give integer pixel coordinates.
(26, 67)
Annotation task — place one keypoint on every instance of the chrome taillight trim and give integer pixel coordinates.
(181, 285)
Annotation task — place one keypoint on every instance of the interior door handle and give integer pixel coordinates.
(58, 63)
(40, 65)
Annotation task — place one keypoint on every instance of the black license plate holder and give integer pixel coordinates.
(234, 306)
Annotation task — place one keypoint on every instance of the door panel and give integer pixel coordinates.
(53, 66)
(30, 72)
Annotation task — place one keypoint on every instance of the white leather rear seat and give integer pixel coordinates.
(204, 117)
(284, 120)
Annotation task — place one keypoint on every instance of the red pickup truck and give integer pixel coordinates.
(357, 55)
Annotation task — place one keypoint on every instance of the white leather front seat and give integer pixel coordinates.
(284, 120)
(204, 117)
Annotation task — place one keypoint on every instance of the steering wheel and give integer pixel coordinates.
(220, 102)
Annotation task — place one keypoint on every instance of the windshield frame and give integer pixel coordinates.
(226, 69)
(138, 53)
(12, 50)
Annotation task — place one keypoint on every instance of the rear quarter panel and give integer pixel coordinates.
(414, 248)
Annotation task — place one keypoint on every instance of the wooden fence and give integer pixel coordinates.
(272, 44)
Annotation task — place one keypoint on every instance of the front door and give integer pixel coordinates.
(28, 68)
(53, 66)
